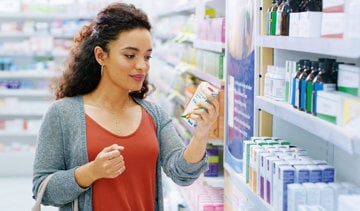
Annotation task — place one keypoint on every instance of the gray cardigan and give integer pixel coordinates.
(61, 148)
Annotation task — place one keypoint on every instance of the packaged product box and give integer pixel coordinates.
(349, 79)
(296, 196)
(337, 107)
(333, 5)
(333, 25)
(352, 29)
(310, 23)
(202, 90)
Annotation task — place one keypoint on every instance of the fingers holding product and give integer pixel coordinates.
(208, 113)
(202, 106)
(109, 163)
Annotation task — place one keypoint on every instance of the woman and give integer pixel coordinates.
(103, 141)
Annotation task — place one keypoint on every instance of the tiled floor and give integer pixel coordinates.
(16, 194)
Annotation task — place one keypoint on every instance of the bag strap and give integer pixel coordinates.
(40, 194)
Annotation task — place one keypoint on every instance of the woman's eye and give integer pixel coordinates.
(147, 58)
(129, 56)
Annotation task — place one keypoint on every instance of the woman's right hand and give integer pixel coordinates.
(109, 163)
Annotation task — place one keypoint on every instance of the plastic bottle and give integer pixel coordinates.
(268, 82)
(278, 90)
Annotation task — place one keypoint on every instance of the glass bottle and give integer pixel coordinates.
(309, 85)
(269, 17)
(295, 84)
(322, 81)
(302, 84)
(279, 16)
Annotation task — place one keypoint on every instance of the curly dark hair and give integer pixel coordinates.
(82, 74)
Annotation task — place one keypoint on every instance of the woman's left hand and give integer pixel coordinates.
(205, 117)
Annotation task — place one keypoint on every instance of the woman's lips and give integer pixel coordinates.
(138, 77)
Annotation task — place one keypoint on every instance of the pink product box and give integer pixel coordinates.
(333, 6)
(211, 30)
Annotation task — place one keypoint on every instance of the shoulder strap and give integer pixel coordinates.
(40, 193)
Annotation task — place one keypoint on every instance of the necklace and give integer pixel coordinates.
(114, 113)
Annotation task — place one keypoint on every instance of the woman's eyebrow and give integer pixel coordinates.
(135, 49)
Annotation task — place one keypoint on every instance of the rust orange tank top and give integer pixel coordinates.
(134, 189)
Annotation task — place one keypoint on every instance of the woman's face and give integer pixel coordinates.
(126, 63)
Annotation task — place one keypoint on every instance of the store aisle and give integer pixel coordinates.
(15, 194)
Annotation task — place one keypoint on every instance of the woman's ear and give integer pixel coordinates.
(99, 55)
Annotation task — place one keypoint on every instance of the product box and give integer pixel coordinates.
(269, 178)
(294, 26)
(349, 79)
(315, 173)
(246, 158)
(333, 5)
(290, 69)
(312, 193)
(326, 196)
(213, 159)
(328, 173)
(286, 176)
(296, 196)
(199, 96)
(337, 107)
(333, 25)
(302, 174)
(352, 30)
(310, 23)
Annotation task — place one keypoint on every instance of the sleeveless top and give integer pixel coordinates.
(134, 189)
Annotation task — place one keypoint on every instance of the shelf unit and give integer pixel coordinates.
(345, 138)
(341, 143)
(348, 48)
(17, 142)
(182, 69)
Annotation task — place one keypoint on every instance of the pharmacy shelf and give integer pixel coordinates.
(4, 115)
(239, 182)
(346, 138)
(22, 35)
(25, 93)
(184, 9)
(44, 16)
(28, 74)
(217, 47)
(213, 181)
(206, 77)
(349, 47)
(23, 137)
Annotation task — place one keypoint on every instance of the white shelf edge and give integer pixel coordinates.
(45, 16)
(18, 35)
(339, 136)
(17, 134)
(217, 47)
(206, 77)
(24, 93)
(179, 9)
(36, 115)
(28, 74)
(214, 181)
(349, 47)
(239, 182)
